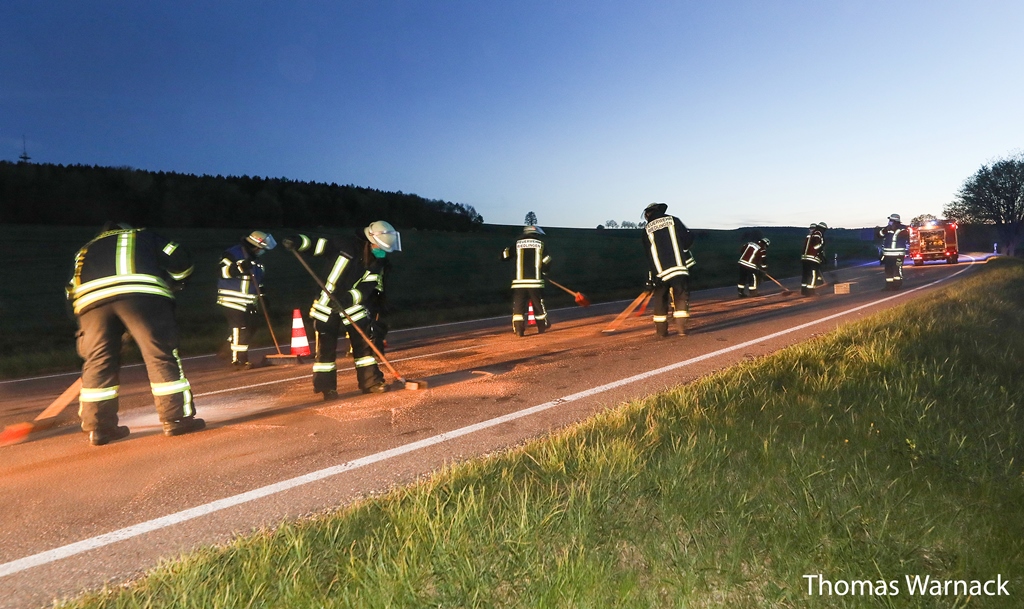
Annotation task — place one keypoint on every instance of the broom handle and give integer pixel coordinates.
(266, 315)
(61, 402)
(775, 280)
(560, 285)
(351, 323)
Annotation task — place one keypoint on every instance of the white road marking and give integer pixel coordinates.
(99, 541)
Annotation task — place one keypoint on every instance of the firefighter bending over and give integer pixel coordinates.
(667, 242)
(528, 284)
(124, 279)
(355, 279)
(753, 261)
(894, 247)
(239, 289)
(812, 258)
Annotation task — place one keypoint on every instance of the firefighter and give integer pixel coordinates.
(355, 281)
(812, 258)
(124, 279)
(894, 247)
(528, 284)
(239, 289)
(667, 242)
(753, 261)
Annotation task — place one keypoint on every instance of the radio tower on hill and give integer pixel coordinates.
(24, 158)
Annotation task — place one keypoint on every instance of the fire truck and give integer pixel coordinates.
(933, 240)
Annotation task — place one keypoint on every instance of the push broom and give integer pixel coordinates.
(622, 316)
(12, 434)
(409, 384)
(279, 358)
(581, 300)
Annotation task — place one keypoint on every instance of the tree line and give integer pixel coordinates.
(84, 195)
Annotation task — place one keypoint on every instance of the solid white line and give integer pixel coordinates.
(106, 539)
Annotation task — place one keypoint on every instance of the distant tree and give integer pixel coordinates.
(600, 227)
(531, 219)
(994, 195)
(611, 224)
(918, 220)
(642, 224)
(627, 224)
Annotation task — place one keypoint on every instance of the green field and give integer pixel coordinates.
(889, 448)
(440, 277)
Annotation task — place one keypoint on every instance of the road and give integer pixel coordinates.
(76, 517)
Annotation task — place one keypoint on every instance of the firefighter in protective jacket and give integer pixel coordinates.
(812, 258)
(753, 261)
(667, 243)
(124, 279)
(355, 280)
(239, 289)
(895, 237)
(528, 284)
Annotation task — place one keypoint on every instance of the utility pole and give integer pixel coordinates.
(24, 158)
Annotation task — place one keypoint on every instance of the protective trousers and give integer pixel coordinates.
(678, 288)
(150, 320)
(893, 272)
(521, 297)
(325, 368)
(811, 277)
(748, 279)
(242, 325)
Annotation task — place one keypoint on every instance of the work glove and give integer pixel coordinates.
(289, 243)
(244, 266)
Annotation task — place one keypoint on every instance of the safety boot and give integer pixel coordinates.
(99, 437)
(186, 425)
(378, 388)
(330, 395)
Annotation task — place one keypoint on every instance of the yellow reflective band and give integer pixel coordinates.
(680, 314)
(658, 318)
(356, 295)
(103, 282)
(98, 395)
(98, 295)
(125, 253)
(305, 243)
(517, 317)
(321, 245)
(170, 387)
(363, 362)
(331, 367)
(170, 247)
(183, 274)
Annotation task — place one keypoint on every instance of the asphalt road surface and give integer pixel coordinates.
(75, 517)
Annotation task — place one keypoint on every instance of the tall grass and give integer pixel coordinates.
(891, 447)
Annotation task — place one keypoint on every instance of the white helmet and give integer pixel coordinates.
(261, 240)
(533, 230)
(384, 236)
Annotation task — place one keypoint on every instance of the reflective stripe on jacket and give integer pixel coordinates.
(122, 262)
(667, 242)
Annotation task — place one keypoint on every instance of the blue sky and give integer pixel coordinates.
(734, 113)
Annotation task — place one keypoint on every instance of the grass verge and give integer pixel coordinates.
(889, 448)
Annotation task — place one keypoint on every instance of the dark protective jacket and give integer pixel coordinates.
(126, 261)
(531, 262)
(895, 238)
(814, 247)
(235, 287)
(754, 256)
(350, 278)
(667, 242)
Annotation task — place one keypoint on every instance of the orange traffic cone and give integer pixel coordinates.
(300, 344)
(530, 319)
